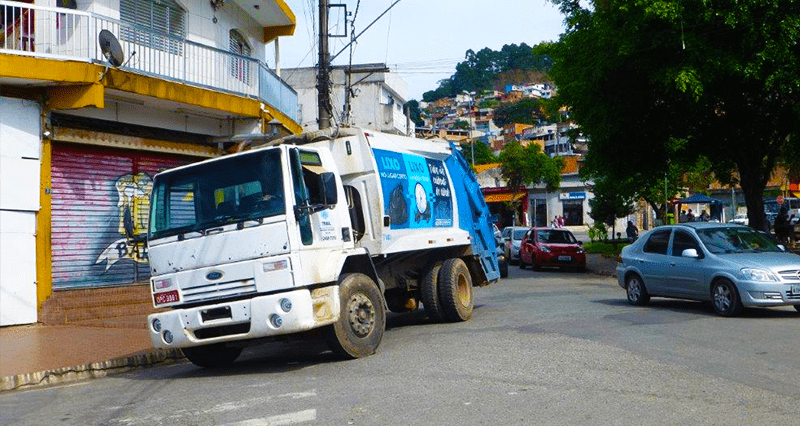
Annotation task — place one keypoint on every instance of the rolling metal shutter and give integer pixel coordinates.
(93, 190)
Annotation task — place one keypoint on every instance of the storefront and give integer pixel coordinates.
(96, 193)
(503, 203)
(572, 207)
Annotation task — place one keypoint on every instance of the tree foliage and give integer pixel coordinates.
(414, 112)
(483, 153)
(608, 203)
(520, 166)
(524, 111)
(479, 69)
(657, 85)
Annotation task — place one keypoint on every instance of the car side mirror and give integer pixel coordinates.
(781, 247)
(691, 253)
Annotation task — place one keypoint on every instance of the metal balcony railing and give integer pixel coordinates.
(59, 33)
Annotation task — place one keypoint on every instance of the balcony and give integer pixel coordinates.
(67, 34)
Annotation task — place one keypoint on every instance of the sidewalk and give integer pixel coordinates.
(39, 355)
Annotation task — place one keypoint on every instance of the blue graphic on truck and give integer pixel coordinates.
(416, 192)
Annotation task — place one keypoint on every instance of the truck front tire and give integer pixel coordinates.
(212, 356)
(362, 318)
(455, 290)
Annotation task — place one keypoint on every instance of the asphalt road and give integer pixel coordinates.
(546, 348)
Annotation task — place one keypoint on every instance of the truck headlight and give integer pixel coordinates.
(753, 274)
(161, 283)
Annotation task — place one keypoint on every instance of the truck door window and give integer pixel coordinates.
(301, 200)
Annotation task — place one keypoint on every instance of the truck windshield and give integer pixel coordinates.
(235, 189)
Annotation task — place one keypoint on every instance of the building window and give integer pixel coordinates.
(240, 67)
(157, 24)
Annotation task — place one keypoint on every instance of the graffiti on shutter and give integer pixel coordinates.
(96, 194)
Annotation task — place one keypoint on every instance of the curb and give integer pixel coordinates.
(90, 371)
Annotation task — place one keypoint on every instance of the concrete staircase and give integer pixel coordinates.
(112, 307)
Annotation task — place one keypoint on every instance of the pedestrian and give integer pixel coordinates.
(690, 216)
(682, 217)
(561, 221)
(782, 226)
(704, 216)
(631, 231)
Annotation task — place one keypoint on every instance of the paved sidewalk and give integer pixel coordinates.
(38, 355)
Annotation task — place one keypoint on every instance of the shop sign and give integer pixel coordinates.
(580, 195)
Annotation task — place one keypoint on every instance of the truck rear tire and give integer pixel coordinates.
(429, 292)
(455, 290)
(212, 356)
(362, 318)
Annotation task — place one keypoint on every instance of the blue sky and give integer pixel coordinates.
(423, 40)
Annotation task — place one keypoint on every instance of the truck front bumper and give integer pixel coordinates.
(260, 316)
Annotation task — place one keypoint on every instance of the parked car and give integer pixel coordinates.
(740, 219)
(502, 261)
(512, 236)
(733, 266)
(551, 247)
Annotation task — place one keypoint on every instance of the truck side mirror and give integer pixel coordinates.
(330, 196)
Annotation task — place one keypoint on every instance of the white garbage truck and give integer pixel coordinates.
(321, 231)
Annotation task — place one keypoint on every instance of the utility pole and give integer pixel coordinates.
(323, 72)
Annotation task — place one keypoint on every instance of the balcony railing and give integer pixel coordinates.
(60, 33)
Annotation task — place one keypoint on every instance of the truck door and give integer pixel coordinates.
(317, 207)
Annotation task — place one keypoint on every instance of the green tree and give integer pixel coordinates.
(461, 124)
(483, 153)
(524, 111)
(658, 84)
(479, 70)
(609, 203)
(414, 112)
(521, 166)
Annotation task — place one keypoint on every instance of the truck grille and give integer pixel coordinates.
(218, 290)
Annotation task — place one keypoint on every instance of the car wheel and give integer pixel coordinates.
(725, 298)
(455, 290)
(212, 356)
(362, 318)
(521, 263)
(637, 292)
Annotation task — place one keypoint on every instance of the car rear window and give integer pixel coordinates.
(658, 242)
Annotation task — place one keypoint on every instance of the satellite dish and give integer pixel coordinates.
(111, 48)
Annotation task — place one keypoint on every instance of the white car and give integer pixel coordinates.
(740, 219)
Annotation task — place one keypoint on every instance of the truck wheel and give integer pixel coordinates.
(429, 292)
(362, 318)
(455, 290)
(212, 356)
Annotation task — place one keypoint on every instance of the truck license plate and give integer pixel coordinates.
(166, 297)
(565, 258)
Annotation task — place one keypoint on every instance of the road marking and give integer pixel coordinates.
(279, 420)
(238, 405)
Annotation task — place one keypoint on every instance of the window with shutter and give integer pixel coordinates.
(240, 68)
(158, 24)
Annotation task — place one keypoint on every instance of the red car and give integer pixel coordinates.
(551, 247)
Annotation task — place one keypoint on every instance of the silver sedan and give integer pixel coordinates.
(732, 266)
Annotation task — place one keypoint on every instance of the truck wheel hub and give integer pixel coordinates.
(362, 315)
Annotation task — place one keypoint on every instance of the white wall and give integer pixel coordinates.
(20, 164)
